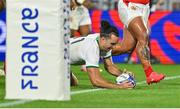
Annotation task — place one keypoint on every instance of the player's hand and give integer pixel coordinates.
(129, 72)
(127, 85)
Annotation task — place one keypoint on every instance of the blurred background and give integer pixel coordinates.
(164, 21)
(171, 5)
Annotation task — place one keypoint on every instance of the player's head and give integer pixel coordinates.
(107, 29)
(109, 36)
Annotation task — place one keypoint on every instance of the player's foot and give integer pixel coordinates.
(154, 78)
(73, 79)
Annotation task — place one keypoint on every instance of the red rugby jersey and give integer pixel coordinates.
(137, 1)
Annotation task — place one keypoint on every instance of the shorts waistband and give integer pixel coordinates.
(140, 4)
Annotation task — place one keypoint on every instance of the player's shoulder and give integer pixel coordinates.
(91, 39)
(93, 35)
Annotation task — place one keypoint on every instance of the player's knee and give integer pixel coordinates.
(145, 35)
(142, 43)
(143, 40)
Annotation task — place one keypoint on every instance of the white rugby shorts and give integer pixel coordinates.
(128, 12)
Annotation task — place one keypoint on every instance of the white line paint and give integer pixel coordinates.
(13, 103)
(86, 91)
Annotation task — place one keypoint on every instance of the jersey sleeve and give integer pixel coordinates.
(107, 54)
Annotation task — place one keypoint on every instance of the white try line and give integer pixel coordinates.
(13, 103)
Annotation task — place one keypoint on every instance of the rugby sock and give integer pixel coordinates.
(148, 71)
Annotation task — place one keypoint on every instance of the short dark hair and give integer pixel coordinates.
(107, 29)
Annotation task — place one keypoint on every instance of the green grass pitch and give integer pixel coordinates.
(165, 94)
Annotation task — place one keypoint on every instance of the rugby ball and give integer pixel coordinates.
(125, 77)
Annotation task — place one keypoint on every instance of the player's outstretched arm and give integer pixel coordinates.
(98, 81)
(111, 67)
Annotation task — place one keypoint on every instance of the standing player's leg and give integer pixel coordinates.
(135, 17)
(140, 33)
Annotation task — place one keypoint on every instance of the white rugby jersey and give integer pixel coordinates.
(79, 16)
(85, 50)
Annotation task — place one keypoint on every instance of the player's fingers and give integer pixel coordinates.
(126, 81)
(128, 84)
(129, 72)
(132, 74)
